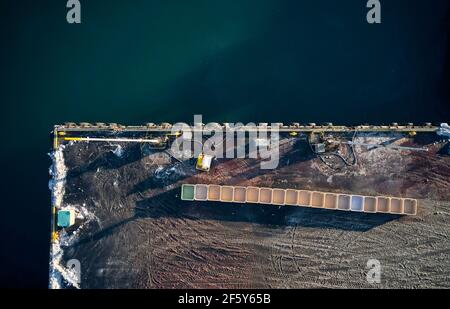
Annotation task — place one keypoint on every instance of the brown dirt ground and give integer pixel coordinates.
(146, 237)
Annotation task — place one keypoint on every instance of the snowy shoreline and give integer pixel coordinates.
(61, 276)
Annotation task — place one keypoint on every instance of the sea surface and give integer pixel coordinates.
(140, 61)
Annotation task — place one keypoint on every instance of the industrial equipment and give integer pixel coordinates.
(204, 162)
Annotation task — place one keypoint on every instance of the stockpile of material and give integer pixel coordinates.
(304, 198)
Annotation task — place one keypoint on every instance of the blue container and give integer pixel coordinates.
(357, 203)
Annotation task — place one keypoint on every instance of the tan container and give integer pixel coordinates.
(370, 204)
(291, 197)
(226, 194)
(304, 198)
(278, 196)
(396, 205)
(383, 204)
(239, 194)
(410, 206)
(252, 195)
(344, 202)
(214, 193)
(317, 199)
(265, 196)
(330, 201)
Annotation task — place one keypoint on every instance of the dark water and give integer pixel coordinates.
(154, 61)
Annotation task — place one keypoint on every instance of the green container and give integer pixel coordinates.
(187, 192)
(65, 218)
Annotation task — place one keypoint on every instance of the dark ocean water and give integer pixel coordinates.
(153, 61)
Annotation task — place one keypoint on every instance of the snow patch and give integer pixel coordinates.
(58, 171)
(444, 130)
(118, 151)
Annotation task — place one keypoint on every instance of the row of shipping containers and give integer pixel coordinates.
(304, 198)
